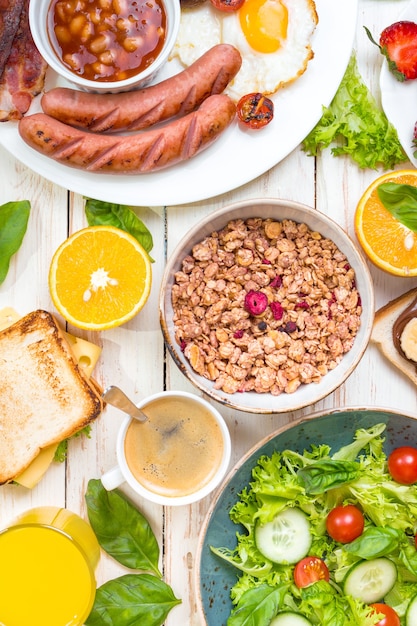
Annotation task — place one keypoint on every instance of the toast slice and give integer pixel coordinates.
(382, 333)
(44, 396)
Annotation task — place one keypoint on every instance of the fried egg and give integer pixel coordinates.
(273, 36)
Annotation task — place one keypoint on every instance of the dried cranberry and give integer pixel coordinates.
(276, 282)
(266, 262)
(290, 327)
(302, 304)
(277, 310)
(346, 267)
(256, 302)
(183, 345)
(238, 334)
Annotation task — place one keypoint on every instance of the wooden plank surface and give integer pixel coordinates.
(133, 356)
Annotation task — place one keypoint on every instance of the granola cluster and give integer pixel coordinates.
(265, 306)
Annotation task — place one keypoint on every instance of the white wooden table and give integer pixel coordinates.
(133, 356)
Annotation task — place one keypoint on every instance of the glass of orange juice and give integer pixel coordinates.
(47, 560)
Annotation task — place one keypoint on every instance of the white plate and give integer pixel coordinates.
(237, 157)
(399, 99)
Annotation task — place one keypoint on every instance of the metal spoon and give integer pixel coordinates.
(116, 397)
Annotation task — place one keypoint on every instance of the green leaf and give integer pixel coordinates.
(140, 599)
(61, 452)
(401, 201)
(363, 437)
(327, 474)
(121, 530)
(356, 126)
(14, 218)
(375, 542)
(257, 606)
(121, 216)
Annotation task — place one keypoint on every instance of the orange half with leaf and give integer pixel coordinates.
(388, 236)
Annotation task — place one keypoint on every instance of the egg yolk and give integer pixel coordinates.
(264, 24)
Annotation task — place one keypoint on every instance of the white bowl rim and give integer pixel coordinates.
(47, 52)
(354, 256)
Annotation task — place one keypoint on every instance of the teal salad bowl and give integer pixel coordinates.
(215, 576)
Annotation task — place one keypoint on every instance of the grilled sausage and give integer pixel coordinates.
(136, 110)
(139, 152)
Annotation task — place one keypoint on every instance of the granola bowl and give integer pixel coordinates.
(266, 306)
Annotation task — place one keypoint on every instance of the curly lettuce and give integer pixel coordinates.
(357, 126)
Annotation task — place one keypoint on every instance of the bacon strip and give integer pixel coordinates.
(10, 11)
(24, 74)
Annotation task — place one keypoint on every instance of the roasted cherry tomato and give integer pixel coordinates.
(255, 110)
(402, 465)
(228, 6)
(309, 570)
(345, 523)
(390, 616)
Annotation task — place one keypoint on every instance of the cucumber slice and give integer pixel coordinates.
(370, 581)
(288, 618)
(286, 539)
(411, 613)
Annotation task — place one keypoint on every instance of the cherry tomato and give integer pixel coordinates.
(345, 523)
(309, 570)
(228, 6)
(255, 110)
(391, 618)
(402, 465)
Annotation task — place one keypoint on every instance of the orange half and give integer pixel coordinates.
(100, 278)
(389, 244)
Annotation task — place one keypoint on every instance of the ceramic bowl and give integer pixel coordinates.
(306, 394)
(215, 577)
(38, 12)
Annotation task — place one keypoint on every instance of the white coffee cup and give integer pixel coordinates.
(178, 444)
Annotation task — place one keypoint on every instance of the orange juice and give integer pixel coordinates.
(46, 578)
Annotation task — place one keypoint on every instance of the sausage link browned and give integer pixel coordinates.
(135, 110)
(137, 153)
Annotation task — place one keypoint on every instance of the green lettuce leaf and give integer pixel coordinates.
(357, 126)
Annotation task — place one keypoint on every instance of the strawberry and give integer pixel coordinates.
(398, 43)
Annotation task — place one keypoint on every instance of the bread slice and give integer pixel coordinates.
(44, 396)
(382, 332)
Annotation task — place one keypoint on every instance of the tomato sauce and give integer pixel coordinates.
(107, 40)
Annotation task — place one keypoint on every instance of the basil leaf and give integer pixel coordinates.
(257, 606)
(327, 474)
(121, 216)
(401, 201)
(121, 530)
(374, 542)
(14, 218)
(132, 599)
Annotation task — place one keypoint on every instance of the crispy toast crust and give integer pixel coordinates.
(382, 332)
(44, 396)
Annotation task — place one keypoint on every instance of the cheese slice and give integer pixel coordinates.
(86, 355)
(36, 470)
(8, 316)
